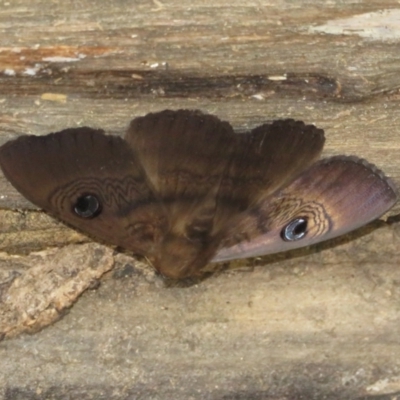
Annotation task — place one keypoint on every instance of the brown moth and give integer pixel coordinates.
(183, 189)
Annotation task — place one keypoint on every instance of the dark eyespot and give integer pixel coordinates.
(87, 206)
(295, 230)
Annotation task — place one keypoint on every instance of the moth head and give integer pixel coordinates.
(179, 257)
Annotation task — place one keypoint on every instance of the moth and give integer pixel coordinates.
(183, 189)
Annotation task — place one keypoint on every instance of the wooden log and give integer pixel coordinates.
(315, 323)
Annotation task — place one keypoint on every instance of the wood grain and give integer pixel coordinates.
(312, 326)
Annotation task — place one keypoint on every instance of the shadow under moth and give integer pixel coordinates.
(183, 189)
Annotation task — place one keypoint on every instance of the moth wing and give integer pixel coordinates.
(185, 154)
(205, 174)
(268, 158)
(197, 157)
(56, 170)
(331, 198)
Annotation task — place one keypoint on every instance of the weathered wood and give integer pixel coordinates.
(317, 323)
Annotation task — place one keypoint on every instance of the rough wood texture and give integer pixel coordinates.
(317, 323)
(47, 283)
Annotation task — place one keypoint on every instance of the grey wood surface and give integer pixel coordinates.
(318, 323)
